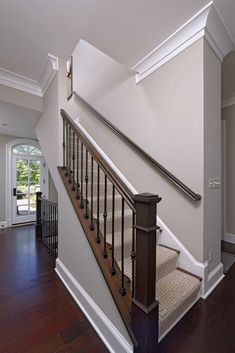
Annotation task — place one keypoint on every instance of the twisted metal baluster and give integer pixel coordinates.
(122, 289)
(133, 255)
(98, 206)
(63, 144)
(86, 183)
(77, 194)
(81, 202)
(112, 269)
(92, 218)
(73, 163)
(70, 174)
(105, 255)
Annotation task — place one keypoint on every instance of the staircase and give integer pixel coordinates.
(150, 291)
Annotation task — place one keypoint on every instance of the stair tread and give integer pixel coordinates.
(175, 293)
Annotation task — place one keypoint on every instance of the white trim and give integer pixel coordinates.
(3, 225)
(25, 84)
(109, 334)
(206, 23)
(228, 100)
(229, 238)
(213, 279)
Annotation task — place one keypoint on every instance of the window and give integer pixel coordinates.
(70, 77)
(26, 149)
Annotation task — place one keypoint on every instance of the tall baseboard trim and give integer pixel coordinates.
(111, 337)
(213, 279)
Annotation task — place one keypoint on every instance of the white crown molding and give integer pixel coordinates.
(207, 24)
(228, 100)
(37, 88)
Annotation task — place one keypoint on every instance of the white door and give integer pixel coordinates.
(29, 175)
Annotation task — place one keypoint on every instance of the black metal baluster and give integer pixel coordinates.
(50, 229)
(67, 149)
(98, 206)
(122, 289)
(81, 202)
(70, 155)
(86, 183)
(56, 231)
(63, 144)
(105, 255)
(133, 255)
(53, 231)
(92, 219)
(73, 163)
(77, 195)
(112, 269)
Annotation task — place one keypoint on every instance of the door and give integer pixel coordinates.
(28, 177)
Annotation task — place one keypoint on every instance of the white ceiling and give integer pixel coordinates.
(21, 121)
(125, 30)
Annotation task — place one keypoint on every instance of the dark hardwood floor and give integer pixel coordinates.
(37, 314)
(210, 326)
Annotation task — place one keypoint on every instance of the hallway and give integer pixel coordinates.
(37, 314)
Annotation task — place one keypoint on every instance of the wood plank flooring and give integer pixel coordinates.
(37, 314)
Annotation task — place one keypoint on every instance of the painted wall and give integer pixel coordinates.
(212, 157)
(228, 75)
(17, 97)
(164, 115)
(228, 114)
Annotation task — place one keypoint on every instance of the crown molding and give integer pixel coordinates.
(228, 100)
(25, 84)
(207, 23)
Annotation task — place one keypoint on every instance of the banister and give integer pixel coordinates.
(174, 180)
(112, 175)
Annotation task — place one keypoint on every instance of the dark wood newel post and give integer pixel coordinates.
(144, 304)
(38, 215)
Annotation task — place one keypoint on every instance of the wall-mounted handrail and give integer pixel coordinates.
(174, 180)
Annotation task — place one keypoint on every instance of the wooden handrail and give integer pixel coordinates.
(119, 184)
(179, 184)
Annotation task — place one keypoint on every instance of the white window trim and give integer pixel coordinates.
(8, 190)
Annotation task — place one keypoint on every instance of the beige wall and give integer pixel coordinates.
(212, 157)
(228, 75)
(228, 114)
(164, 115)
(17, 97)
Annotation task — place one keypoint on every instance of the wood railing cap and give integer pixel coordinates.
(146, 197)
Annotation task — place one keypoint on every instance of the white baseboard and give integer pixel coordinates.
(3, 224)
(229, 238)
(212, 279)
(109, 334)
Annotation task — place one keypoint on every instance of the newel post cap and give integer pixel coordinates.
(146, 197)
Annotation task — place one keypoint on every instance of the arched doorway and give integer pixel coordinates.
(27, 174)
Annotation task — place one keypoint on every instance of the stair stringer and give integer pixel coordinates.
(186, 261)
